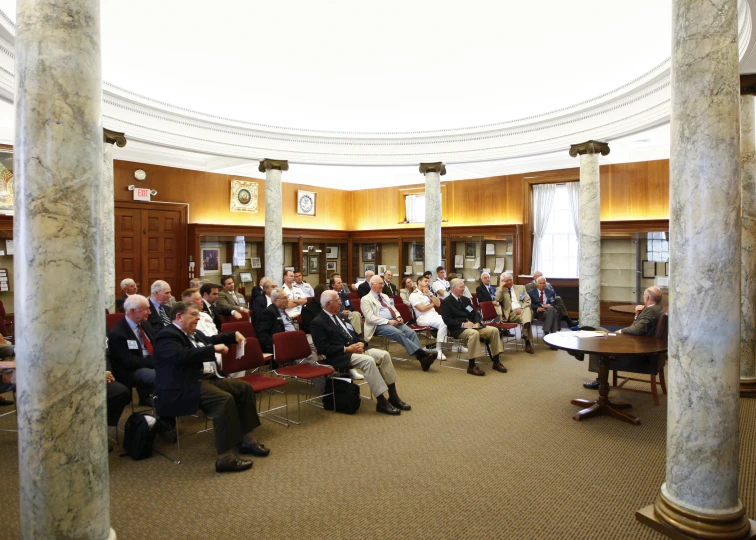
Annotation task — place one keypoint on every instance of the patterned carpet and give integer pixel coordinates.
(478, 457)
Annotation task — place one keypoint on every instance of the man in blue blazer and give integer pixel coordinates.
(542, 300)
(187, 378)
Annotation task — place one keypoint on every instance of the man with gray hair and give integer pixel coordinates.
(129, 287)
(364, 287)
(515, 307)
(195, 283)
(160, 294)
(558, 302)
(262, 301)
(382, 319)
(334, 338)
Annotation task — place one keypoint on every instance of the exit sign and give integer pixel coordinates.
(141, 194)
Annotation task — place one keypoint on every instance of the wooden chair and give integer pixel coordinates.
(648, 365)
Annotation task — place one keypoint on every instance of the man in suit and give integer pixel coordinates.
(160, 295)
(117, 395)
(129, 287)
(542, 303)
(558, 302)
(463, 323)
(261, 302)
(364, 287)
(343, 349)
(274, 319)
(515, 307)
(209, 293)
(229, 298)
(487, 292)
(188, 378)
(382, 319)
(346, 303)
(646, 317)
(389, 289)
(259, 290)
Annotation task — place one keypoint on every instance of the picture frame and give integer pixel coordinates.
(382, 269)
(211, 260)
(256, 263)
(305, 265)
(370, 267)
(306, 203)
(314, 264)
(243, 196)
(662, 269)
(666, 268)
(368, 252)
(418, 252)
(469, 250)
(332, 252)
(648, 269)
(331, 266)
(6, 179)
(443, 263)
(245, 277)
(443, 250)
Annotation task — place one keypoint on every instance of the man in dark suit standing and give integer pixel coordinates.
(463, 323)
(188, 378)
(209, 293)
(335, 339)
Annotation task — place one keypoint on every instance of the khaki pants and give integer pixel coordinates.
(377, 367)
(472, 337)
(523, 318)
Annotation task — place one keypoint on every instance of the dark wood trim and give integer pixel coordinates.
(635, 226)
(6, 223)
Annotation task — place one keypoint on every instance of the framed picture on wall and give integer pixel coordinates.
(666, 268)
(305, 265)
(305, 203)
(443, 263)
(370, 267)
(381, 269)
(256, 262)
(470, 250)
(368, 252)
(211, 260)
(648, 269)
(314, 263)
(418, 252)
(332, 252)
(331, 266)
(443, 250)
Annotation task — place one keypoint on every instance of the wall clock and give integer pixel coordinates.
(306, 203)
(140, 175)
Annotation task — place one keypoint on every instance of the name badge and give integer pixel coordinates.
(349, 325)
(469, 308)
(347, 303)
(132, 343)
(522, 296)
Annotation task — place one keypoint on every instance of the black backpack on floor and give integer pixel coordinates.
(138, 437)
(346, 395)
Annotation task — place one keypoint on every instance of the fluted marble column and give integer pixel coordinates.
(274, 249)
(107, 253)
(62, 440)
(748, 238)
(700, 494)
(433, 173)
(589, 271)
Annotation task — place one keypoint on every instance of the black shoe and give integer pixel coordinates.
(387, 408)
(4, 402)
(593, 385)
(167, 431)
(232, 464)
(256, 449)
(399, 404)
(426, 359)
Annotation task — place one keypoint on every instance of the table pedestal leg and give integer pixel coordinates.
(602, 405)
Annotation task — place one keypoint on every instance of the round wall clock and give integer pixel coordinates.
(140, 175)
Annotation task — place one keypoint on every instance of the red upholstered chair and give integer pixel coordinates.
(253, 360)
(354, 296)
(245, 328)
(231, 318)
(489, 315)
(397, 300)
(289, 347)
(475, 304)
(112, 319)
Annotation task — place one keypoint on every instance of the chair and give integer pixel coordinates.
(489, 315)
(648, 365)
(231, 318)
(245, 328)
(397, 300)
(177, 461)
(253, 360)
(291, 346)
(409, 320)
(112, 319)
(475, 304)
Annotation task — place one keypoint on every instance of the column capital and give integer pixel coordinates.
(113, 137)
(748, 84)
(273, 164)
(437, 167)
(589, 147)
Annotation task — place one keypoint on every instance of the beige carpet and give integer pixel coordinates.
(491, 457)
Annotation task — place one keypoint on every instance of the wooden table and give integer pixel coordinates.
(606, 347)
(624, 308)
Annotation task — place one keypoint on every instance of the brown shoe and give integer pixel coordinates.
(529, 348)
(499, 367)
(475, 370)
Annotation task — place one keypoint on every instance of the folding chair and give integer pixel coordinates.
(397, 300)
(245, 328)
(489, 315)
(231, 318)
(206, 429)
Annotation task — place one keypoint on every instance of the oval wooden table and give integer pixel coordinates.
(605, 347)
(624, 308)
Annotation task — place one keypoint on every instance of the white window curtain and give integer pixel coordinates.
(415, 208)
(239, 251)
(573, 189)
(543, 199)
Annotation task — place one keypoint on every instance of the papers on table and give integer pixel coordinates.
(459, 261)
(499, 268)
(588, 333)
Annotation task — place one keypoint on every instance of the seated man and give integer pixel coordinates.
(487, 292)
(441, 286)
(558, 302)
(346, 304)
(646, 316)
(160, 296)
(117, 395)
(129, 287)
(262, 301)
(209, 294)
(515, 307)
(8, 371)
(187, 379)
(274, 319)
(311, 310)
(303, 286)
(229, 298)
(258, 291)
(542, 304)
(424, 304)
(389, 289)
(463, 323)
(195, 283)
(296, 297)
(382, 319)
(364, 287)
(343, 349)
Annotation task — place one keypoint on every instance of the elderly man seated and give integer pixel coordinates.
(515, 307)
(558, 302)
(262, 301)
(542, 303)
(346, 303)
(188, 378)
(424, 303)
(274, 319)
(129, 287)
(382, 319)
(389, 289)
(463, 323)
(364, 287)
(335, 339)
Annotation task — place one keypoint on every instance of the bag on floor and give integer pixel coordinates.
(139, 434)
(346, 395)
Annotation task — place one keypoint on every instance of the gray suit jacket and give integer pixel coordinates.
(645, 323)
(229, 300)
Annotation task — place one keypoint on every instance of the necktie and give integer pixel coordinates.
(341, 327)
(164, 316)
(542, 297)
(145, 339)
(509, 293)
(492, 291)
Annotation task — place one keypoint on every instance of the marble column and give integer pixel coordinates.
(58, 156)
(107, 253)
(699, 497)
(589, 270)
(748, 239)
(433, 173)
(274, 249)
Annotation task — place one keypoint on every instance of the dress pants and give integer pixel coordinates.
(551, 320)
(117, 396)
(472, 337)
(402, 334)
(434, 320)
(377, 367)
(561, 308)
(523, 318)
(231, 405)
(144, 380)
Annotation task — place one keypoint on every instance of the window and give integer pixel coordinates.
(559, 244)
(415, 208)
(239, 251)
(657, 247)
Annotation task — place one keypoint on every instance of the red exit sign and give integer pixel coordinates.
(141, 194)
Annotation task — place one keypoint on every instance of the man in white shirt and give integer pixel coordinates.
(296, 297)
(303, 286)
(424, 304)
(441, 286)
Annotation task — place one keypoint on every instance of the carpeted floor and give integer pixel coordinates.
(477, 457)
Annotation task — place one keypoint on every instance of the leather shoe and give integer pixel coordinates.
(475, 370)
(232, 464)
(499, 367)
(593, 385)
(426, 359)
(399, 404)
(256, 449)
(529, 349)
(387, 408)
(167, 431)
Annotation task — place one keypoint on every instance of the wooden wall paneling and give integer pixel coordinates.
(350, 275)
